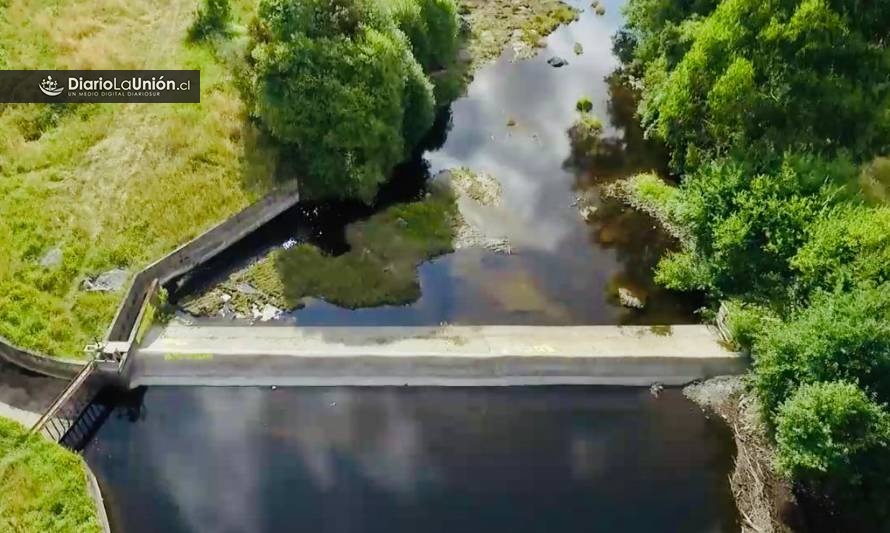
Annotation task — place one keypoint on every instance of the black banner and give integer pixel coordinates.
(115, 86)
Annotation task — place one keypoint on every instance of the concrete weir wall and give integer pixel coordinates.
(449, 355)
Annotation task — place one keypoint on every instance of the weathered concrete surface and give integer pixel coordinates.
(449, 355)
(23, 417)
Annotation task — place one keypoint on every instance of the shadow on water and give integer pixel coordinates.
(413, 459)
(322, 224)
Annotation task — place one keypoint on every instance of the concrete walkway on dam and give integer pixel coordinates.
(447, 355)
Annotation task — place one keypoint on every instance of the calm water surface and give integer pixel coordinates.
(556, 459)
(453, 460)
(563, 270)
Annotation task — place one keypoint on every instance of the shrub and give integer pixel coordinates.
(839, 336)
(338, 81)
(584, 105)
(875, 180)
(213, 17)
(832, 437)
(585, 135)
(746, 322)
(849, 245)
(747, 224)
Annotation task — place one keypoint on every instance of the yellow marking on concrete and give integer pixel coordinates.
(188, 357)
(543, 348)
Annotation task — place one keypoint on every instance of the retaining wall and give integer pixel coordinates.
(39, 363)
(198, 251)
(194, 253)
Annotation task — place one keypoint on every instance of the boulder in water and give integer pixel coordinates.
(629, 299)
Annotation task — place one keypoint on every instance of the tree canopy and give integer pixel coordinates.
(776, 74)
(338, 80)
(769, 110)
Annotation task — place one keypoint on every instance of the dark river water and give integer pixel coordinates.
(555, 459)
(563, 269)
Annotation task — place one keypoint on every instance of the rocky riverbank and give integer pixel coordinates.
(764, 499)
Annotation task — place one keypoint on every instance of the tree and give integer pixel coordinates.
(338, 81)
(764, 75)
(834, 439)
(432, 27)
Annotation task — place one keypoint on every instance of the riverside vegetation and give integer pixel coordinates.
(90, 189)
(43, 487)
(94, 189)
(776, 117)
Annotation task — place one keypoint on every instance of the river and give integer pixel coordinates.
(413, 459)
(513, 124)
(454, 459)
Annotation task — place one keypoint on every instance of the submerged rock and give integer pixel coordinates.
(629, 299)
(557, 62)
(587, 211)
(111, 280)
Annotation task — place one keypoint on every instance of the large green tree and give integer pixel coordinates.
(774, 74)
(338, 80)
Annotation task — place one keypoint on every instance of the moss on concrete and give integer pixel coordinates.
(43, 487)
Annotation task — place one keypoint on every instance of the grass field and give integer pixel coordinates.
(91, 187)
(43, 486)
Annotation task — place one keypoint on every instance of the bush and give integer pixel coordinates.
(432, 27)
(746, 224)
(833, 438)
(338, 81)
(746, 322)
(213, 17)
(585, 135)
(847, 246)
(839, 336)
